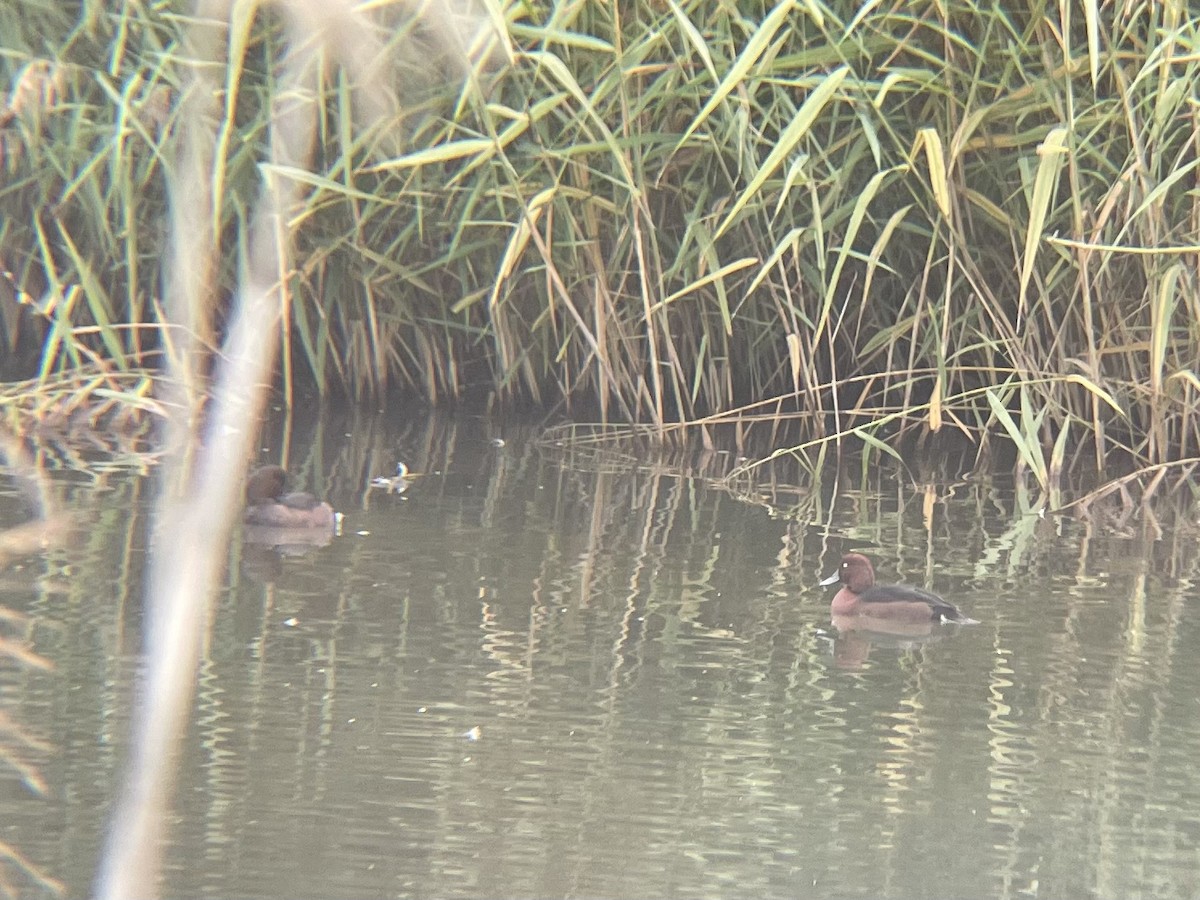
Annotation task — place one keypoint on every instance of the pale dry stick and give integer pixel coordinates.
(131, 858)
(197, 501)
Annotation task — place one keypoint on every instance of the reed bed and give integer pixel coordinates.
(872, 220)
(862, 221)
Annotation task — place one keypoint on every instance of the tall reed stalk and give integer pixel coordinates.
(929, 214)
(197, 500)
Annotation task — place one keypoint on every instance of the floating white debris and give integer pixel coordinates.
(394, 484)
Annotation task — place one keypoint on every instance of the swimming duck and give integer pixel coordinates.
(861, 596)
(396, 484)
(267, 504)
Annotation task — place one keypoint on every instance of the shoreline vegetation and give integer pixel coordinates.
(868, 224)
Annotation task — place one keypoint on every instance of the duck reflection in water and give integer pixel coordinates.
(855, 636)
(292, 522)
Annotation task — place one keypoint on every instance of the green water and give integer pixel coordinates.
(533, 675)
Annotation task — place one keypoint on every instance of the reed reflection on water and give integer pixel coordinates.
(537, 672)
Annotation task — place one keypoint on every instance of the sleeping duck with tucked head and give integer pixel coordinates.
(268, 504)
(861, 597)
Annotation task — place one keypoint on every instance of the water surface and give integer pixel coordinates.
(531, 675)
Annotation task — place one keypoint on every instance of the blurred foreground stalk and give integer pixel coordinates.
(210, 427)
(198, 500)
